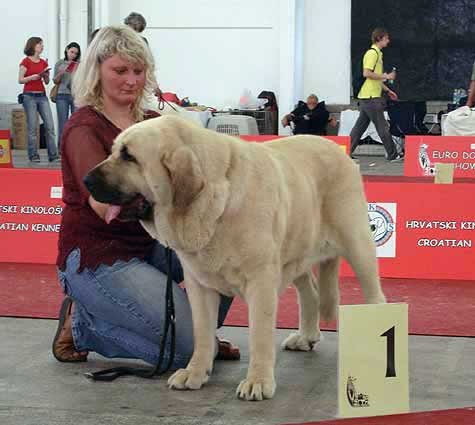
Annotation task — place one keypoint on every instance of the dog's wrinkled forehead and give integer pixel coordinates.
(159, 135)
(124, 141)
(131, 145)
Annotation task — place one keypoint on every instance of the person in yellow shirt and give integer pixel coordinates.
(370, 100)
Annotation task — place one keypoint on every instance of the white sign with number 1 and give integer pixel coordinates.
(373, 371)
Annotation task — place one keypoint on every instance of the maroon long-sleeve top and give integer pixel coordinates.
(87, 140)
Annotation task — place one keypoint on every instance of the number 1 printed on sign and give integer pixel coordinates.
(390, 349)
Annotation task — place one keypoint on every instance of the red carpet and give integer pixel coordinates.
(440, 417)
(444, 308)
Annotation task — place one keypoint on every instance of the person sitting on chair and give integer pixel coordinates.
(311, 117)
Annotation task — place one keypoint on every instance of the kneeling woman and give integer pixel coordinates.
(113, 274)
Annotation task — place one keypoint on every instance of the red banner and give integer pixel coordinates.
(422, 230)
(423, 152)
(340, 140)
(30, 213)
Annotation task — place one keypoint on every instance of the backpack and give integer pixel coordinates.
(358, 77)
(270, 96)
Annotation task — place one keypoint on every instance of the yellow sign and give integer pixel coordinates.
(373, 371)
(444, 173)
(5, 155)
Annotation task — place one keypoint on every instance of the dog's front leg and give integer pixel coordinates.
(262, 300)
(204, 308)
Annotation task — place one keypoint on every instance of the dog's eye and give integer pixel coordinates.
(125, 155)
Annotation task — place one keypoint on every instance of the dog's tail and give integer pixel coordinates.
(328, 288)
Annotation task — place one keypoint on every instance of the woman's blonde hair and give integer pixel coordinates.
(109, 41)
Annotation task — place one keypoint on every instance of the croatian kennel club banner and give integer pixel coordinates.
(30, 215)
(422, 230)
(423, 152)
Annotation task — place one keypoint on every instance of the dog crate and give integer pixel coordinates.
(234, 125)
(266, 119)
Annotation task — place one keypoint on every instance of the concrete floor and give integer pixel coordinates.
(37, 390)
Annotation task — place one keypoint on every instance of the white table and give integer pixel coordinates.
(348, 119)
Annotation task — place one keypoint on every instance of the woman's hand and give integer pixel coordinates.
(58, 77)
(45, 76)
(99, 208)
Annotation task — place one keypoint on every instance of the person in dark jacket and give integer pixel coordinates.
(309, 117)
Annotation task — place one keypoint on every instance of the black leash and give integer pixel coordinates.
(108, 375)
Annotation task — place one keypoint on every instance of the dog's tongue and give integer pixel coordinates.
(112, 213)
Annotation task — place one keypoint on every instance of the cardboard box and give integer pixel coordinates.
(20, 130)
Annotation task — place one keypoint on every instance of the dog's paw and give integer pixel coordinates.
(256, 389)
(298, 342)
(184, 379)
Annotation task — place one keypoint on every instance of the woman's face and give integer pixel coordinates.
(39, 48)
(122, 81)
(72, 53)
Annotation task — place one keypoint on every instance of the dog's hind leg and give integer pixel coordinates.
(349, 215)
(309, 332)
(361, 254)
(329, 289)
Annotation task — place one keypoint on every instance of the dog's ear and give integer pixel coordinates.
(186, 176)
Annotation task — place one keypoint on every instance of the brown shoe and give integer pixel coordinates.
(227, 351)
(63, 342)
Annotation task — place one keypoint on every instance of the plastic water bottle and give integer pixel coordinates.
(391, 82)
(455, 96)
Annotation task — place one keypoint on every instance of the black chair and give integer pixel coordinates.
(407, 118)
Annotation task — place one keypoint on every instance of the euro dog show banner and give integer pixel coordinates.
(422, 230)
(423, 152)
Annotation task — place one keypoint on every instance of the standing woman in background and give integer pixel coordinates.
(33, 72)
(63, 73)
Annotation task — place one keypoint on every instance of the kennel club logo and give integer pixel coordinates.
(428, 168)
(354, 398)
(382, 220)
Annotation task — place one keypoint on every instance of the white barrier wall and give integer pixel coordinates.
(209, 50)
(327, 50)
(21, 20)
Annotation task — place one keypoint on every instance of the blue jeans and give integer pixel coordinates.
(119, 309)
(64, 108)
(33, 102)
